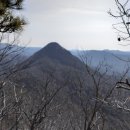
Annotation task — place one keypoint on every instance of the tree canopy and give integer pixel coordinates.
(9, 22)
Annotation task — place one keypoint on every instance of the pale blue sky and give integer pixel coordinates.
(75, 24)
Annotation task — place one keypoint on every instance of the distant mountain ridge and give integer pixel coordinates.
(117, 60)
(109, 57)
(28, 51)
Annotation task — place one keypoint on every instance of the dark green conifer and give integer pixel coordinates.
(9, 22)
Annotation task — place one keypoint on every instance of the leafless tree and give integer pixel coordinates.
(91, 90)
(10, 94)
(123, 28)
(123, 16)
(39, 107)
(96, 92)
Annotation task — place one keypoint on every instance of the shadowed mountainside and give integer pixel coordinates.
(53, 52)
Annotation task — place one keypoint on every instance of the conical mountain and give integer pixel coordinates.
(56, 54)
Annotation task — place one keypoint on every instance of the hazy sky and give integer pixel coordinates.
(75, 24)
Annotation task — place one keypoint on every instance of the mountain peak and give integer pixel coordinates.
(52, 44)
(56, 54)
(53, 50)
